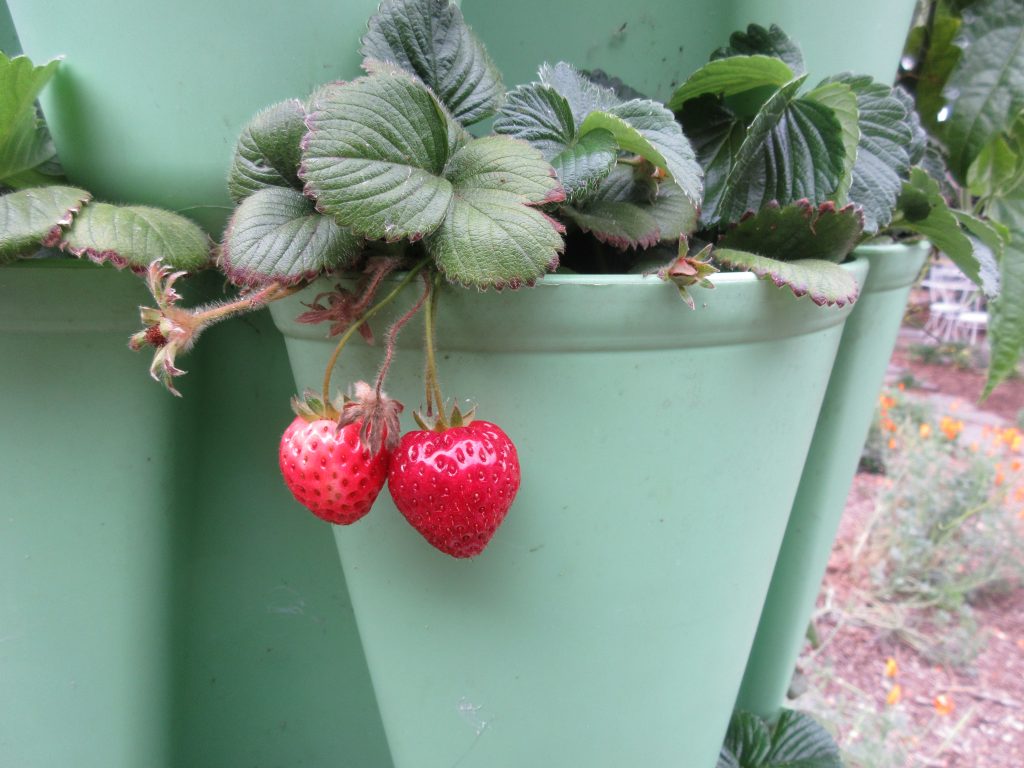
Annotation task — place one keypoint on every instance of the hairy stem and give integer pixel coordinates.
(366, 316)
(395, 329)
(247, 303)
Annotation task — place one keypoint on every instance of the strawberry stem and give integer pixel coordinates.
(395, 329)
(433, 387)
(410, 275)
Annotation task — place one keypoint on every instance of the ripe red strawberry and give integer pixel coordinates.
(335, 457)
(455, 486)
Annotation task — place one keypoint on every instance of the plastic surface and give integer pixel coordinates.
(610, 618)
(151, 97)
(864, 352)
(654, 45)
(87, 513)
(8, 37)
(163, 600)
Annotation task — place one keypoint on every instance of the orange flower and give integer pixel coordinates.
(892, 443)
(891, 667)
(886, 402)
(944, 704)
(1000, 477)
(1018, 493)
(888, 424)
(895, 694)
(925, 430)
(950, 427)
(1016, 465)
(901, 386)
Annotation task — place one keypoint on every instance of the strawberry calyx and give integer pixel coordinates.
(312, 407)
(688, 270)
(377, 413)
(440, 422)
(373, 410)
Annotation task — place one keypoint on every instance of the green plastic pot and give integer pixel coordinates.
(864, 352)
(654, 45)
(8, 37)
(268, 666)
(151, 97)
(87, 524)
(164, 602)
(610, 618)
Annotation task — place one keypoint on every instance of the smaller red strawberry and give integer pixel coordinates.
(335, 456)
(455, 484)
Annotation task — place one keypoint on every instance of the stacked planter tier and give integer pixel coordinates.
(864, 352)
(87, 519)
(149, 101)
(164, 601)
(609, 621)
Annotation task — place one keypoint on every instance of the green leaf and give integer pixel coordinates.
(716, 136)
(583, 165)
(134, 236)
(24, 141)
(768, 42)
(940, 59)
(537, 114)
(840, 98)
(883, 158)
(269, 151)
(919, 136)
(601, 78)
(731, 76)
(493, 237)
(276, 235)
(793, 150)
(32, 217)
(431, 40)
(651, 131)
(797, 231)
(825, 282)
(1006, 315)
(374, 156)
(925, 211)
(727, 759)
(986, 88)
(799, 742)
(748, 738)
(999, 167)
(581, 94)
(630, 210)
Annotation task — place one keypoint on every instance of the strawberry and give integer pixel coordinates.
(335, 456)
(455, 484)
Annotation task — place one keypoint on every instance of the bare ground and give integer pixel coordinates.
(980, 722)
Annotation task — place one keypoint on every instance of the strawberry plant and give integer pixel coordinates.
(743, 169)
(964, 64)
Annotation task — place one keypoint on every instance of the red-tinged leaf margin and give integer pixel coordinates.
(823, 282)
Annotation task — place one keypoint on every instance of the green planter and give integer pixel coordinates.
(164, 603)
(864, 352)
(8, 37)
(268, 667)
(652, 45)
(88, 521)
(609, 621)
(150, 99)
